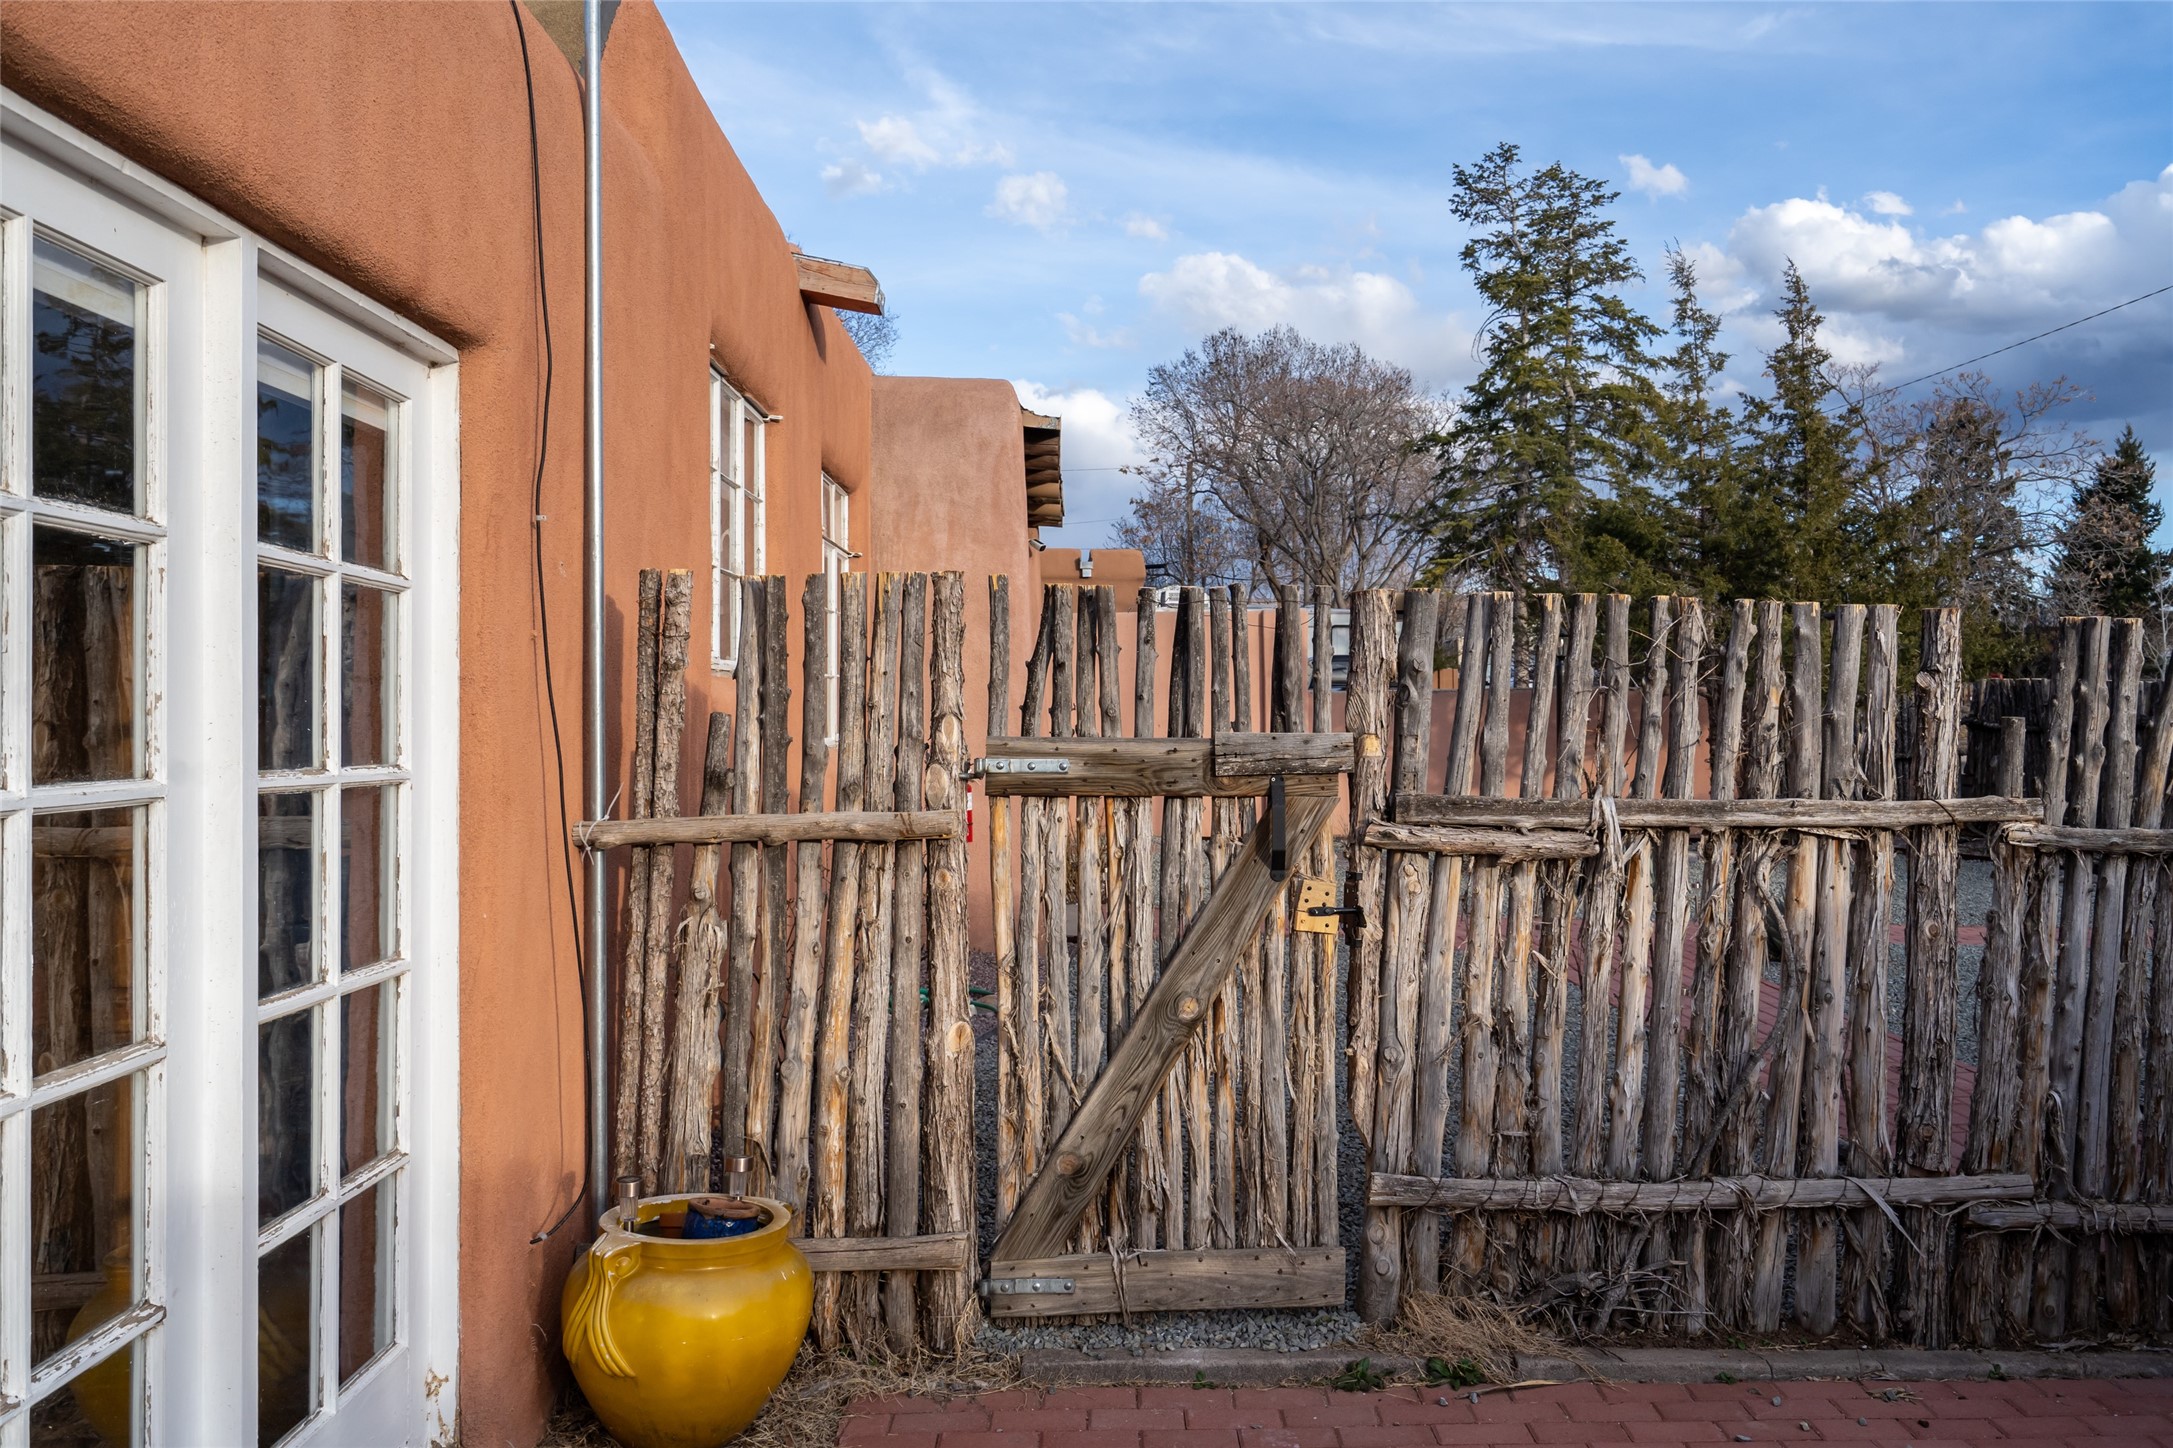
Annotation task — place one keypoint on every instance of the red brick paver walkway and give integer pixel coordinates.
(2122, 1413)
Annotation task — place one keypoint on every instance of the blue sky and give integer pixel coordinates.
(1064, 195)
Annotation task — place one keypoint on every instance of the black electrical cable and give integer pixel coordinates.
(543, 611)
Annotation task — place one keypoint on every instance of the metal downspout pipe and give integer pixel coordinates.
(594, 804)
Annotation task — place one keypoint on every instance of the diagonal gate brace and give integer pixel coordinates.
(1094, 1141)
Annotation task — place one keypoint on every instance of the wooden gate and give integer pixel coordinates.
(1167, 1112)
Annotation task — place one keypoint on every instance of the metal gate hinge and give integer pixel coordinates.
(1024, 1286)
(1023, 766)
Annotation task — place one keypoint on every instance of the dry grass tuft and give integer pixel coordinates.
(809, 1405)
(1456, 1329)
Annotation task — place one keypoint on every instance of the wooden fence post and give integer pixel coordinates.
(833, 1046)
(2130, 1290)
(1925, 1130)
(1871, 1153)
(1381, 1276)
(796, 1059)
(689, 1122)
(872, 995)
(1977, 1291)
(1791, 1022)
(1817, 1243)
(908, 933)
(1437, 958)
(633, 950)
(949, 1205)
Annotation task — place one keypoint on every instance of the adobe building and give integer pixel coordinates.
(291, 1015)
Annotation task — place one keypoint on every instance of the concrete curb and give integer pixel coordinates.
(1236, 1367)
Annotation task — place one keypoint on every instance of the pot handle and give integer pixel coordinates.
(612, 1258)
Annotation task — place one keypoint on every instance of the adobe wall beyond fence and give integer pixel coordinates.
(389, 144)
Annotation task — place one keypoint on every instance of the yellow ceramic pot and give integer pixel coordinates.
(678, 1343)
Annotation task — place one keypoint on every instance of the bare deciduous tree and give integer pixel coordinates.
(1184, 535)
(1304, 455)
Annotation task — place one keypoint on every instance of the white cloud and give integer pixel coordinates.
(1038, 200)
(1086, 334)
(1655, 181)
(2016, 270)
(1146, 228)
(1215, 289)
(850, 177)
(1886, 203)
(1956, 209)
(897, 140)
(946, 132)
(1097, 441)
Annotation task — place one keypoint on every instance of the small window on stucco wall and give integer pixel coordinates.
(837, 559)
(737, 518)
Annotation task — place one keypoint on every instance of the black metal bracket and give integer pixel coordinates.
(1278, 833)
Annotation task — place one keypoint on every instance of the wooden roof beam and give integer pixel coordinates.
(837, 284)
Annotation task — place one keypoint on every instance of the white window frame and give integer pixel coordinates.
(159, 262)
(738, 512)
(837, 561)
(196, 1189)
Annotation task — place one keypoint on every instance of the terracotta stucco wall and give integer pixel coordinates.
(389, 144)
(949, 491)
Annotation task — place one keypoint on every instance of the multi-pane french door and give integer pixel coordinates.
(226, 624)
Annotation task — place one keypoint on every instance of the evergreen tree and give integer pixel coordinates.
(1563, 406)
(1963, 541)
(2105, 563)
(1656, 537)
(1786, 531)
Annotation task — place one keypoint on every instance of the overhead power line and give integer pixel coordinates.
(1981, 356)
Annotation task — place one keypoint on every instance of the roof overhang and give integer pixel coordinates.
(1043, 438)
(838, 284)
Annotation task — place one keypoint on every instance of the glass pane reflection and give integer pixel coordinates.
(95, 1410)
(365, 1076)
(286, 1066)
(365, 432)
(365, 879)
(286, 447)
(286, 891)
(365, 618)
(365, 1279)
(83, 1151)
(283, 1336)
(83, 657)
(82, 934)
(286, 670)
(86, 404)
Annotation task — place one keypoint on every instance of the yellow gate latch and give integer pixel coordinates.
(1316, 913)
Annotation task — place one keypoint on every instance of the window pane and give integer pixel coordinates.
(365, 430)
(286, 670)
(82, 935)
(365, 1279)
(283, 1318)
(287, 391)
(83, 657)
(85, 389)
(365, 1070)
(83, 1152)
(286, 891)
(365, 880)
(365, 719)
(286, 1065)
(95, 1410)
